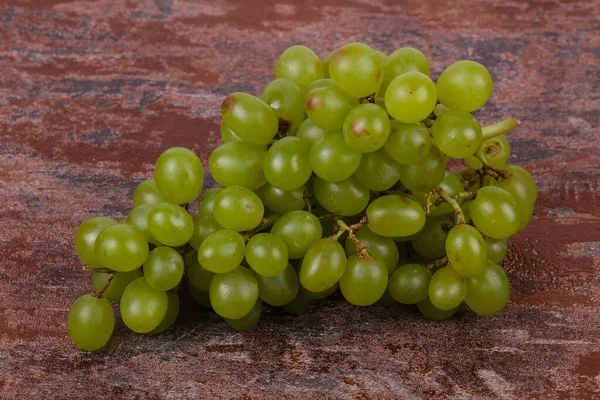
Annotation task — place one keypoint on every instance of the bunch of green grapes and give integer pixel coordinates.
(334, 177)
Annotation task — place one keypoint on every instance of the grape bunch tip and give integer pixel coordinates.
(335, 177)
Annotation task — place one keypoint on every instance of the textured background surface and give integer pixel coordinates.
(92, 91)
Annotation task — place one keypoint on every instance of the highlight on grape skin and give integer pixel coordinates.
(333, 180)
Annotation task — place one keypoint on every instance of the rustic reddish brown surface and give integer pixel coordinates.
(92, 91)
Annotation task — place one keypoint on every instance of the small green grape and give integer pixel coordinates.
(425, 175)
(248, 322)
(457, 134)
(198, 276)
(91, 322)
(298, 230)
(409, 284)
(207, 200)
(405, 59)
(138, 217)
(250, 118)
(430, 242)
(447, 289)
(238, 208)
(179, 175)
(309, 132)
(233, 294)
(320, 295)
(278, 290)
(366, 128)
(85, 239)
(495, 212)
(496, 249)
(171, 314)
(267, 254)
(394, 215)
(465, 86)
(163, 269)
(287, 165)
(300, 65)
(356, 69)
(287, 100)
(428, 310)
(170, 224)
(488, 292)
(364, 280)
(522, 187)
(222, 251)
(380, 246)
(332, 159)
(408, 143)
(299, 305)
(146, 192)
(238, 164)
(467, 251)
(323, 265)
(410, 97)
(200, 297)
(347, 197)
(328, 107)
(203, 227)
(282, 201)
(121, 247)
(320, 83)
(117, 285)
(377, 171)
(142, 307)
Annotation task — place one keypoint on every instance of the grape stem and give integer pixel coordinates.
(437, 263)
(307, 201)
(109, 280)
(487, 168)
(499, 128)
(265, 224)
(360, 247)
(458, 213)
(465, 195)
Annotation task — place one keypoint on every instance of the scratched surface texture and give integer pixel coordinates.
(91, 92)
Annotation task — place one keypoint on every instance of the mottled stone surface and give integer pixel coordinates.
(92, 91)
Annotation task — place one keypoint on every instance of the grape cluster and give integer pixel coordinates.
(335, 177)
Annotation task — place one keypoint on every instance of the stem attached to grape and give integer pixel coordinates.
(360, 247)
(458, 213)
(101, 291)
(499, 128)
(465, 195)
(437, 263)
(265, 224)
(487, 168)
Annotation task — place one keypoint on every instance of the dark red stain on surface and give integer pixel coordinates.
(92, 92)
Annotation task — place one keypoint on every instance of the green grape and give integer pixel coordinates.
(394, 215)
(85, 239)
(467, 251)
(409, 284)
(496, 249)
(233, 294)
(299, 305)
(364, 280)
(207, 200)
(428, 310)
(320, 83)
(457, 134)
(488, 292)
(408, 143)
(426, 175)
(163, 269)
(228, 135)
(356, 69)
(430, 242)
(248, 322)
(332, 159)
(287, 164)
(142, 307)
(298, 230)
(382, 247)
(495, 212)
(250, 118)
(198, 276)
(286, 98)
(179, 175)
(117, 285)
(138, 217)
(522, 187)
(121, 248)
(328, 107)
(171, 314)
(345, 198)
(366, 128)
(170, 224)
(300, 65)
(447, 289)
(410, 97)
(326, 61)
(267, 254)
(222, 251)
(377, 171)
(452, 185)
(203, 227)
(496, 151)
(465, 86)
(405, 59)
(238, 208)
(91, 322)
(320, 295)
(278, 290)
(309, 132)
(381, 55)
(238, 164)
(323, 265)
(282, 201)
(200, 297)
(146, 192)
